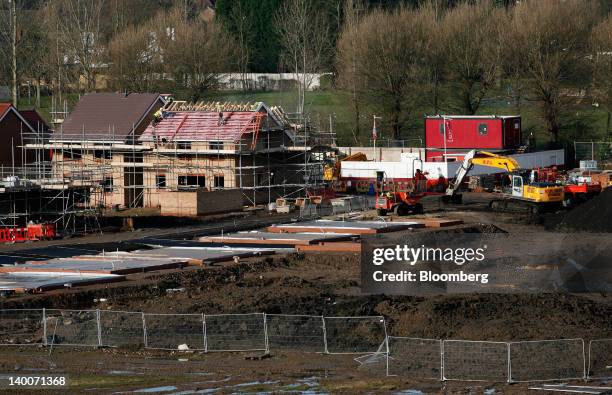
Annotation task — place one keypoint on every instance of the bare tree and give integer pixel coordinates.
(471, 34)
(389, 46)
(347, 59)
(135, 58)
(8, 31)
(243, 25)
(546, 44)
(194, 51)
(304, 37)
(435, 54)
(601, 44)
(78, 35)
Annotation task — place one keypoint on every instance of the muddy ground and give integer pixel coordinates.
(320, 284)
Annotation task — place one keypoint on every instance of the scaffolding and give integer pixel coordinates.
(80, 177)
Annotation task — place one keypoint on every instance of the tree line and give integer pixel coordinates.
(394, 58)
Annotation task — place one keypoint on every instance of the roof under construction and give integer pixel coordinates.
(181, 121)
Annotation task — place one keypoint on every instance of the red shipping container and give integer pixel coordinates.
(473, 132)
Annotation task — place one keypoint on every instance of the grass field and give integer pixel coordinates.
(582, 122)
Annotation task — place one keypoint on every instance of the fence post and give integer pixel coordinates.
(265, 322)
(204, 330)
(324, 335)
(99, 328)
(44, 322)
(442, 360)
(144, 330)
(386, 343)
(588, 372)
(509, 366)
(584, 368)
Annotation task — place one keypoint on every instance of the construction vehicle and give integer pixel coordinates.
(332, 173)
(390, 198)
(522, 189)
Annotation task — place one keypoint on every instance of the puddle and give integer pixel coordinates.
(156, 390)
(122, 372)
(489, 391)
(410, 392)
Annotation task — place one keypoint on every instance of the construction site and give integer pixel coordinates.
(220, 248)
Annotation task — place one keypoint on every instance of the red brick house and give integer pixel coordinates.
(12, 124)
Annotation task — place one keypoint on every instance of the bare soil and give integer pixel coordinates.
(317, 283)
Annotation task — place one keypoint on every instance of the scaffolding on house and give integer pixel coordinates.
(88, 176)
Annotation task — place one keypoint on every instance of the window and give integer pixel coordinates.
(72, 154)
(132, 157)
(219, 182)
(183, 145)
(482, 129)
(160, 181)
(215, 145)
(191, 182)
(103, 154)
(107, 183)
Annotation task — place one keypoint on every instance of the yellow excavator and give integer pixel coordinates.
(521, 189)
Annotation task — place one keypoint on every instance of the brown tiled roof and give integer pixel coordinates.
(98, 113)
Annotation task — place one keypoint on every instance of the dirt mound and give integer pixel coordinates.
(592, 216)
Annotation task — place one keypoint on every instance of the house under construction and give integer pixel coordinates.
(138, 153)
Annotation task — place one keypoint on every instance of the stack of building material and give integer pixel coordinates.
(355, 227)
(99, 264)
(20, 282)
(430, 222)
(206, 255)
(263, 239)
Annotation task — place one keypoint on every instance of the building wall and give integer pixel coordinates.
(10, 141)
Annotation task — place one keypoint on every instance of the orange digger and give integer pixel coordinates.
(405, 201)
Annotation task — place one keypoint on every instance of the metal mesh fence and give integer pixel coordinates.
(20, 327)
(174, 331)
(600, 358)
(72, 327)
(121, 329)
(475, 360)
(354, 335)
(593, 150)
(547, 360)
(236, 332)
(414, 358)
(295, 332)
(366, 336)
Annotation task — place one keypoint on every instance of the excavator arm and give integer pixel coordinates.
(482, 158)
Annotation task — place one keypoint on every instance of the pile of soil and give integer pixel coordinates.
(593, 216)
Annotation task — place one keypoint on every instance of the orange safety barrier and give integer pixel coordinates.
(31, 232)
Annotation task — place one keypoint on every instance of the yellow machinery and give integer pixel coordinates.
(332, 173)
(521, 190)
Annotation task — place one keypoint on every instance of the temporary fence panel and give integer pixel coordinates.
(295, 332)
(121, 328)
(542, 360)
(600, 359)
(354, 335)
(235, 332)
(21, 327)
(475, 360)
(72, 327)
(171, 331)
(414, 358)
